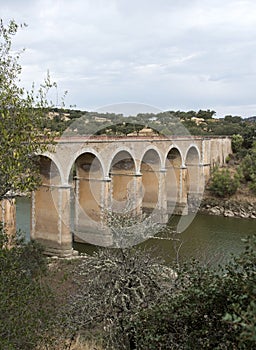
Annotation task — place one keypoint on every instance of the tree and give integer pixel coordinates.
(24, 312)
(205, 114)
(22, 114)
(237, 142)
(248, 168)
(223, 184)
(113, 286)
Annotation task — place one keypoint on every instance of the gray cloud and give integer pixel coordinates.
(170, 54)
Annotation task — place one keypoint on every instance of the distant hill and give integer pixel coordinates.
(251, 119)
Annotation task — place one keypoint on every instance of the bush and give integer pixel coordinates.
(252, 185)
(208, 310)
(248, 165)
(113, 286)
(223, 184)
(24, 298)
(237, 142)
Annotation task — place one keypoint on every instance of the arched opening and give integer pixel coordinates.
(150, 168)
(173, 165)
(50, 209)
(122, 171)
(87, 197)
(49, 172)
(192, 164)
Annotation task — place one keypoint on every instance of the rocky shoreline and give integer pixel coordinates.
(228, 208)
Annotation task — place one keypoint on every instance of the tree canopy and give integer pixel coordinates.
(22, 114)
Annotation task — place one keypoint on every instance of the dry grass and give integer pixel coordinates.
(87, 345)
(77, 344)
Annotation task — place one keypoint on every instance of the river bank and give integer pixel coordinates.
(241, 205)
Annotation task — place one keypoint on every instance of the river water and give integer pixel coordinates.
(211, 239)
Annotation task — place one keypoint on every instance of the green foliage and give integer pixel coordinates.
(237, 142)
(25, 311)
(208, 309)
(252, 184)
(249, 134)
(21, 120)
(136, 303)
(223, 184)
(242, 313)
(248, 164)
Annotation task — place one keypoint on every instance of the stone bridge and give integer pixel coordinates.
(83, 179)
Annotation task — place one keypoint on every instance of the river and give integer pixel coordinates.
(211, 239)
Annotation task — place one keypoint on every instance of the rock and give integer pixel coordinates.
(215, 211)
(229, 208)
(244, 215)
(229, 213)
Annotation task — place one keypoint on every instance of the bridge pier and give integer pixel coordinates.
(138, 194)
(182, 202)
(161, 207)
(50, 219)
(8, 216)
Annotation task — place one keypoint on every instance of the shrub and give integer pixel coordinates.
(223, 184)
(248, 167)
(242, 312)
(24, 307)
(208, 310)
(113, 286)
(237, 142)
(252, 185)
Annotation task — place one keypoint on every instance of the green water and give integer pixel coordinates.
(211, 239)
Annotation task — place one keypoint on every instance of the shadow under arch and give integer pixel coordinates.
(150, 171)
(192, 162)
(86, 177)
(123, 187)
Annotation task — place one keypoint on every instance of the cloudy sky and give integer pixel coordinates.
(168, 54)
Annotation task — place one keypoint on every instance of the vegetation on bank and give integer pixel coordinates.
(25, 300)
(136, 303)
(125, 299)
(240, 170)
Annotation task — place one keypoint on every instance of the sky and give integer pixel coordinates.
(132, 56)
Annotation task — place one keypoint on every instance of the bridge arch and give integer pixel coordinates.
(126, 151)
(122, 172)
(173, 166)
(156, 150)
(55, 164)
(176, 147)
(150, 167)
(192, 162)
(88, 178)
(192, 151)
(83, 151)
